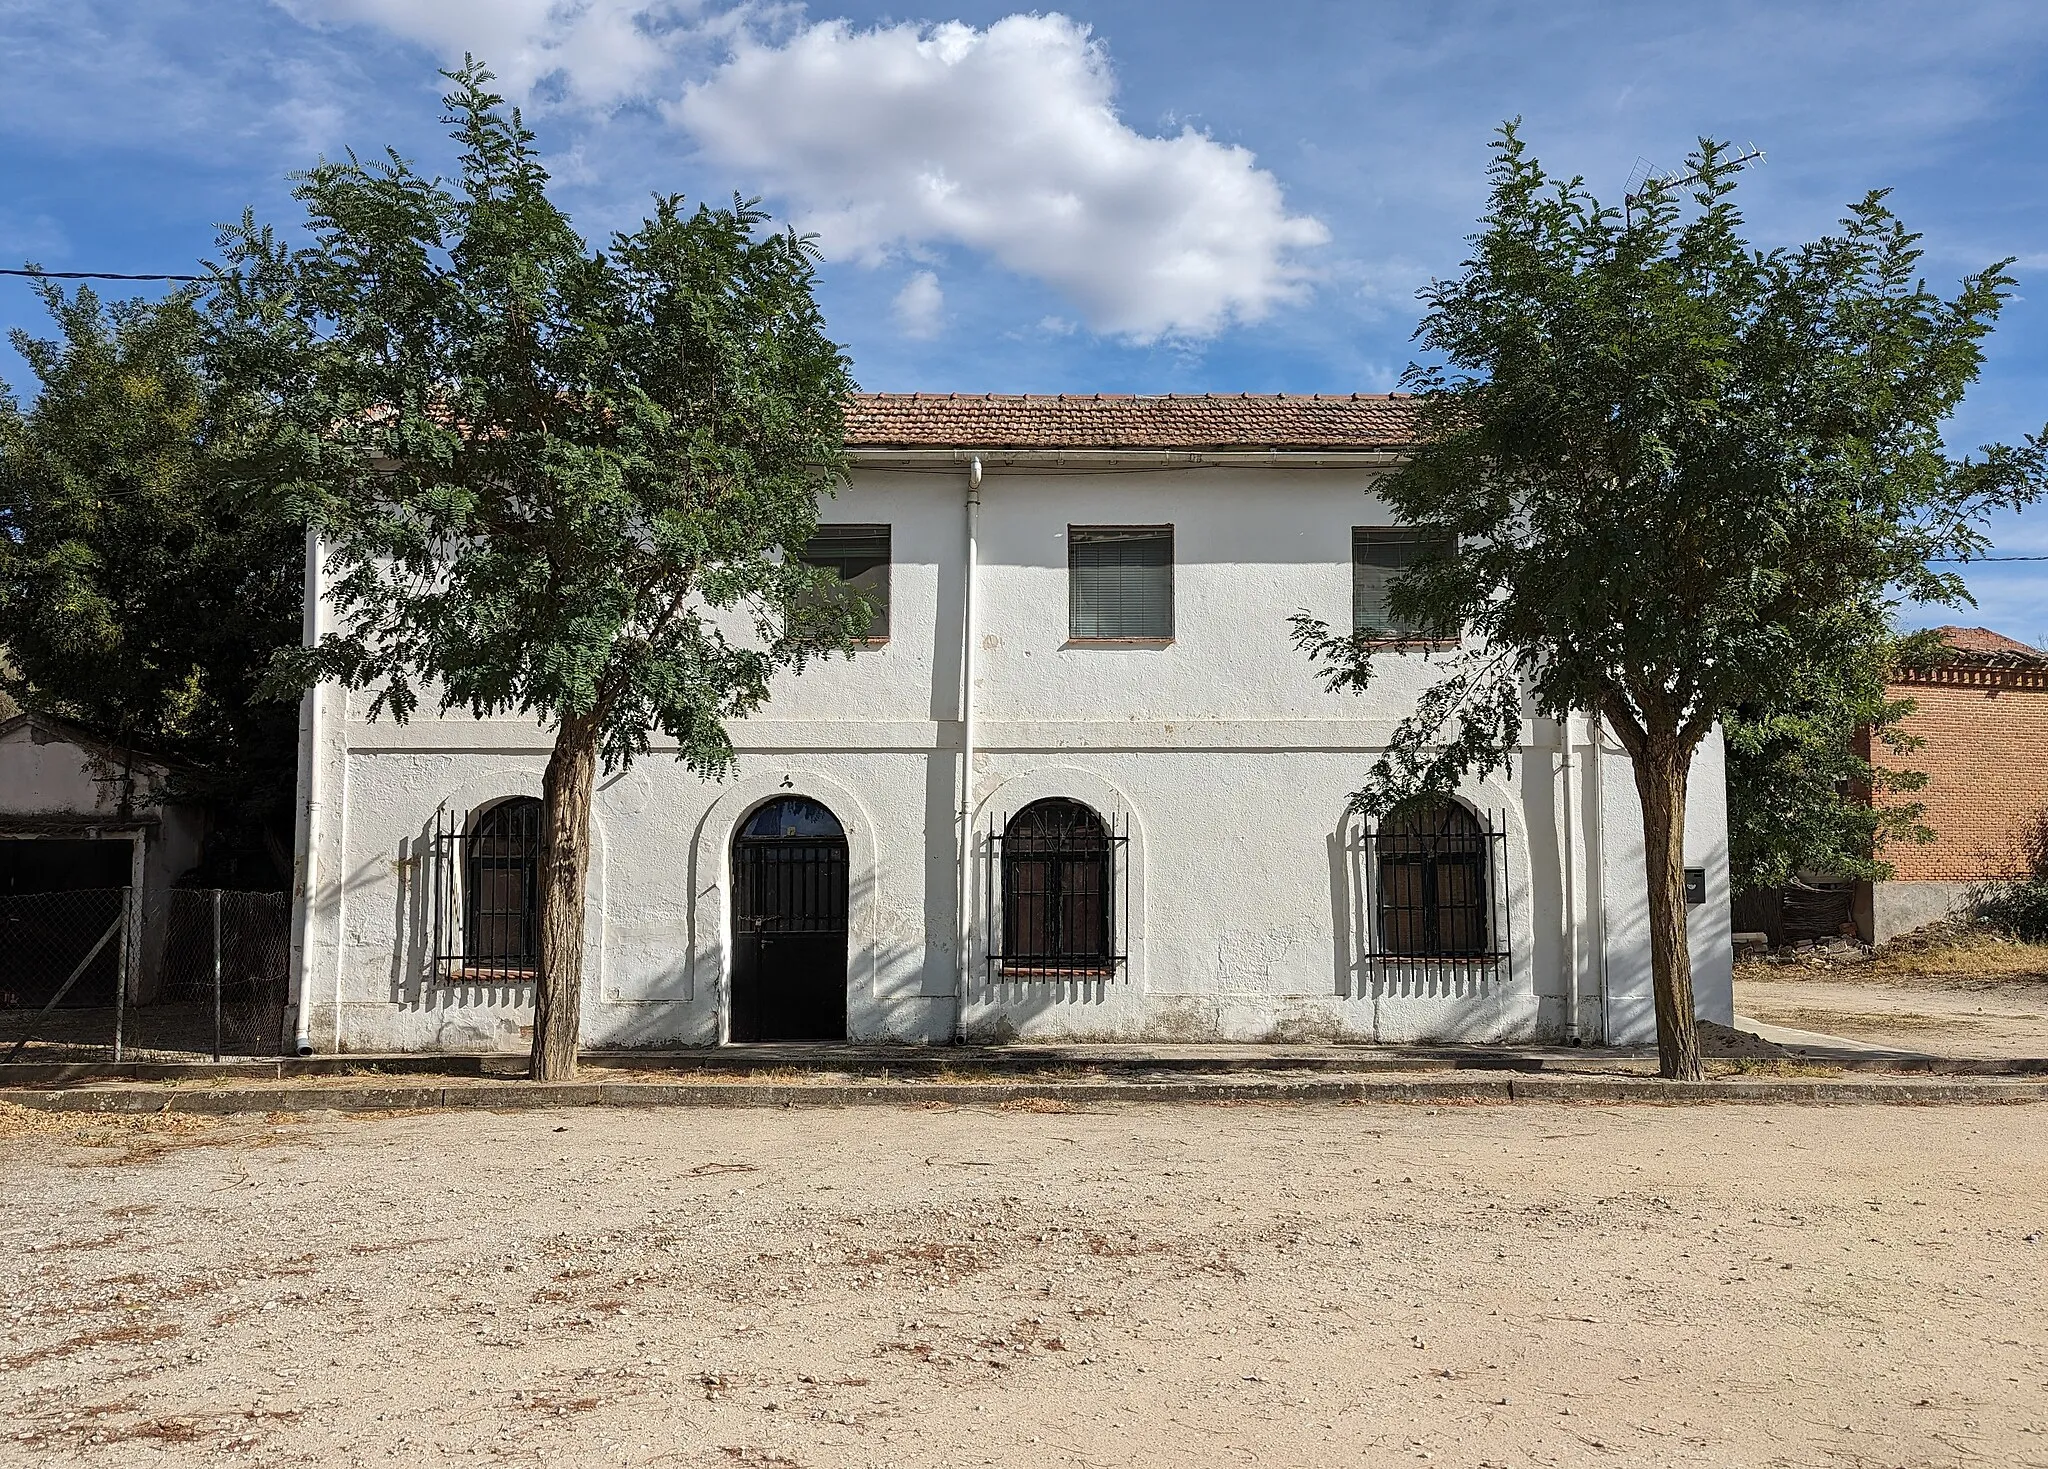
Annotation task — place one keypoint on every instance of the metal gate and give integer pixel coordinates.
(789, 898)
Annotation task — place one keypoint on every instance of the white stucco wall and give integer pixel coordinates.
(52, 786)
(1229, 763)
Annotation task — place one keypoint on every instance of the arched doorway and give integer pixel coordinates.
(789, 885)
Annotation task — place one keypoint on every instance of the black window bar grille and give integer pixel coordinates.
(1057, 892)
(486, 895)
(1434, 880)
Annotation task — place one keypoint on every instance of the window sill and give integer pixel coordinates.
(487, 974)
(1117, 643)
(1461, 961)
(1028, 971)
(1413, 645)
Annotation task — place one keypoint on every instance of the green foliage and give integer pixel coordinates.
(550, 480)
(1810, 787)
(138, 593)
(1680, 472)
(2018, 905)
(1673, 480)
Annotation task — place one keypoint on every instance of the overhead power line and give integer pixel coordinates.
(99, 275)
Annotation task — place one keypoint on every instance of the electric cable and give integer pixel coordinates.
(99, 275)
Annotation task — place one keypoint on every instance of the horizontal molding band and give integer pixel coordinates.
(992, 736)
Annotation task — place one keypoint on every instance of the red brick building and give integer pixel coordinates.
(1983, 714)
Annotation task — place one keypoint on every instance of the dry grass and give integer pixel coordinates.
(99, 1129)
(1959, 955)
(86, 1340)
(1949, 955)
(1770, 1066)
(1044, 1105)
(1829, 1020)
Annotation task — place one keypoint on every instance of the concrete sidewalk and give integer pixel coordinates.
(1752, 1047)
(1749, 1067)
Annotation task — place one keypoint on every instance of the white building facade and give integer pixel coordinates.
(1078, 785)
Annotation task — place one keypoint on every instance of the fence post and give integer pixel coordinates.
(121, 975)
(216, 974)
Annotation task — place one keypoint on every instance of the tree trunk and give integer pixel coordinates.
(1661, 769)
(565, 866)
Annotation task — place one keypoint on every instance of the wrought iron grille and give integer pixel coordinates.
(487, 893)
(789, 885)
(1434, 880)
(1057, 890)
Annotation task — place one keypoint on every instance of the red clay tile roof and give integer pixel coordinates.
(1982, 646)
(1191, 421)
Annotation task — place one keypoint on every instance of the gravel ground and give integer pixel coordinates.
(1992, 1017)
(1477, 1286)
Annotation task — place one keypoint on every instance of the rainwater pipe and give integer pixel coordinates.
(964, 912)
(311, 761)
(1596, 865)
(1571, 889)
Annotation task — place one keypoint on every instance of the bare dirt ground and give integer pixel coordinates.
(1193, 1285)
(1980, 998)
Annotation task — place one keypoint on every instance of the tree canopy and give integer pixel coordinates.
(1666, 476)
(1822, 780)
(139, 593)
(549, 480)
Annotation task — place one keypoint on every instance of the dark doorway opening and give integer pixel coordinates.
(789, 900)
(63, 864)
(59, 896)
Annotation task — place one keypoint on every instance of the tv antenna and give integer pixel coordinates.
(1644, 176)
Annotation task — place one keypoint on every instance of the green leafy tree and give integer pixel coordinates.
(1809, 789)
(1667, 476)
(549, 480)
(139, 594)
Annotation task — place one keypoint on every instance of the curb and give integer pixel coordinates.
(697, 1068)
(522, 1095)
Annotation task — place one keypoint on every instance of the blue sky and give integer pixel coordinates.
(1108, 197)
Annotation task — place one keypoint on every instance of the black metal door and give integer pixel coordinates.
(789, 937)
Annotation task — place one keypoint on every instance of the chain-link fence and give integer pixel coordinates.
(94, 975)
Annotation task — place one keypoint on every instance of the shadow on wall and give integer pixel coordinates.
(1409, 921)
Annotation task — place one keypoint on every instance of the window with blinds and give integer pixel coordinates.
(1379, 554)
(860, 556)
(1120, 583)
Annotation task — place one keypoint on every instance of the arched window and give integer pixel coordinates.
(793, 816)
(1058, 914)
(1435, 890)
(501, 887)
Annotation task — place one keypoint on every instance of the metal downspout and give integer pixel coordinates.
(1596, 866)
(312, 790)
(964, 910)
(1570, 885)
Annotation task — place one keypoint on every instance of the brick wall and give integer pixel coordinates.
(1986, 760)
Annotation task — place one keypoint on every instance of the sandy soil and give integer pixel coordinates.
(1478, 1286)
(1984, 1001)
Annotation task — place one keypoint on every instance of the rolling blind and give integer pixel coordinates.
(860, 554)
(1379, 555)
(1120, 581)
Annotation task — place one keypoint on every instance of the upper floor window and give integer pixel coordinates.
(1120, 583)
(1379, 554)
(859, 554)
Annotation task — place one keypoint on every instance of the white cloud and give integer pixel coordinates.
(921, 306)
(1006, 141)
(602, 51)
